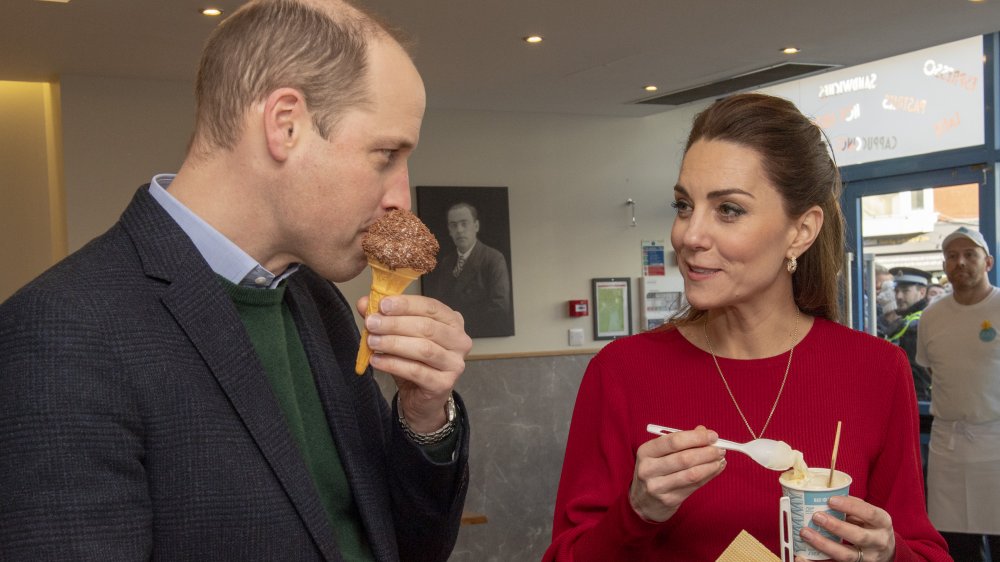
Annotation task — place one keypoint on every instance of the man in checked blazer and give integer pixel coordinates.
(182, 388)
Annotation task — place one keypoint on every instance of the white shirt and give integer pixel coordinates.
(961, 345)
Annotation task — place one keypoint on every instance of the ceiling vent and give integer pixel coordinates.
(749, 80)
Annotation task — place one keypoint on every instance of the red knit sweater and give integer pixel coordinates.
(659, 377)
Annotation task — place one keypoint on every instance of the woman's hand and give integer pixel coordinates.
(670, 468)
(868, 529)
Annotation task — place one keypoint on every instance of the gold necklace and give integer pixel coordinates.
(788, 367)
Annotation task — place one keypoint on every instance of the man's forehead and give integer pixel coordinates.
(396, 88)
(961, 245)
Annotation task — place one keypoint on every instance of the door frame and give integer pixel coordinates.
(963, 165)
(851, 205)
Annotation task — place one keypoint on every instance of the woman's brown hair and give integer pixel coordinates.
(796, 159)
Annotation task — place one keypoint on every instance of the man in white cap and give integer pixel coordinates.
(958, 342)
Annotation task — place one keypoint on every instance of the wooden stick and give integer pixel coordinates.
(833, 460)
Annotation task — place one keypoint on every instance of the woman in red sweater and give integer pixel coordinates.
(759, 241)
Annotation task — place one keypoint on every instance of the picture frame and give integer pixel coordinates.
(481, 286)
(612, 307)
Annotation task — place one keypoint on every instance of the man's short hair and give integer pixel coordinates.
(463, 204)
(271, 44)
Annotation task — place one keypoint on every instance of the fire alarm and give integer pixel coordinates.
(579, 308)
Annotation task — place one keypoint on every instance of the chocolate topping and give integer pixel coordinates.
(399, 239)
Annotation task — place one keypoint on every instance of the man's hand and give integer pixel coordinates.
(422, 344)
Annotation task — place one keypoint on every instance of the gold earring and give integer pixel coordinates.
(792, 265)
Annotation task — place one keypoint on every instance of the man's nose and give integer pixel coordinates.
(397, 192)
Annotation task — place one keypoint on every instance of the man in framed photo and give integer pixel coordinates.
(473, 278)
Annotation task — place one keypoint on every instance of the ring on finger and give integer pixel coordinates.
(861, 554)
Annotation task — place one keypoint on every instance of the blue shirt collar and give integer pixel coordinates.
(223, 256)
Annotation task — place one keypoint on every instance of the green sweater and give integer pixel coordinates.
(276, 339)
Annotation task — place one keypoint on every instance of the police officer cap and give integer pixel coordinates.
(910, 275)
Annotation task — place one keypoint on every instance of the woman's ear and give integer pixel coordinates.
(285, 116)
(807, 228)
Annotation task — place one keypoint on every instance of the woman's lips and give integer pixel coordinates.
(700, 273)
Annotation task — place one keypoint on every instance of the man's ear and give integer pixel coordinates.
(807, 228)
(285, 118)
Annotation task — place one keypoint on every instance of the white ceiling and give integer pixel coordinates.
(596, 57)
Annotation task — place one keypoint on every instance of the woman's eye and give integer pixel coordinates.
(731, 211)
(680, 206)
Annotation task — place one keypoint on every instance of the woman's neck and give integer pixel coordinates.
(733, 333)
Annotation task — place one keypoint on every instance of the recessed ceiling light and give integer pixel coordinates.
(56, 1)
(533, 39)
(211, 12)
(790, 50)
(650, 88)
(978, 1)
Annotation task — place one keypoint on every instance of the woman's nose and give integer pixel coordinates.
(695, 232)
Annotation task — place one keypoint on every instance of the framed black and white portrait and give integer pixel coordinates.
(473, 275)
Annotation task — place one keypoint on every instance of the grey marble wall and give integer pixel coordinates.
(519, 410)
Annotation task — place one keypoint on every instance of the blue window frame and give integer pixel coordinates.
(977, 164)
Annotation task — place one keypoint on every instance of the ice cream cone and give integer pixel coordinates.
(385, 282)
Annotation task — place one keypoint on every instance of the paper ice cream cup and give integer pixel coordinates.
(799, 502)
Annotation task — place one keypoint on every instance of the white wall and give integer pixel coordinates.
(568, 179)
(118, 133)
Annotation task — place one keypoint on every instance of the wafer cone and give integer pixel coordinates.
(385, 282)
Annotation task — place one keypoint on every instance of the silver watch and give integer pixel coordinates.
(451, 414)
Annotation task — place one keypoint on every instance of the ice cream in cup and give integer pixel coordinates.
(804, 493)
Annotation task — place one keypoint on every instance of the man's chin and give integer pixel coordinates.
(344, 273)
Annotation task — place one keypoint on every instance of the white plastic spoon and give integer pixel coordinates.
(775, 455)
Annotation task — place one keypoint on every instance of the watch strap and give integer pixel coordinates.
(435, 436)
